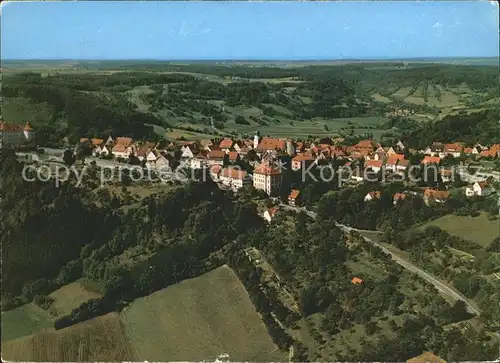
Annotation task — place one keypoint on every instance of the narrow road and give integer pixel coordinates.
(441, 286)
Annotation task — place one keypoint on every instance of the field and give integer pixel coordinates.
(99, 339)
(477, 229)
(19, 110)
(316, 127)
(194, 320)
(274, 107)
(70, 297)
(24, 320)
(199, 319)
(30, 318)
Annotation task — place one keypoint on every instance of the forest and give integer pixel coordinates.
(86, 104)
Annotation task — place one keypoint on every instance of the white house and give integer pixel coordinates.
(480, 189)
(163, 162)
(215, 171)
(151, 158)
(198, 162)
(187, 153)
(270, 213)
(101, 150)
(120, 151)
(234, 178)
(372, 196)
(400, 145)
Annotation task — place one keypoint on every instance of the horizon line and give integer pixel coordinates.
(251, 59)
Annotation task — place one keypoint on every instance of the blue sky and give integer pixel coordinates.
(248, 30)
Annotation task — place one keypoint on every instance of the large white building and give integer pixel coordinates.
(268, 177)
(15, 135)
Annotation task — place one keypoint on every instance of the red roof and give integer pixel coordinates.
(455, 147)
(267, 169)
(303, 157)
(234, 173)
(97, 142)
(119, 148)
(366, 144)
(294, 194)
(483, 184)
(373, 163)
(431, 160)
(395, 159)
(436, 194)
(233, 155)
(268, 143)
(216, 154)
(399, 196)
(489, 153)
(356, 281)
(375, 195)
(126, 141)
(226, 144)
(215, 169)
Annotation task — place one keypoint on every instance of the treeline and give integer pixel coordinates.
(375, 74)
(78, 114)
(470, 128)
(348, 207)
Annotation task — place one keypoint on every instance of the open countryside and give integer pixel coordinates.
(255, 204)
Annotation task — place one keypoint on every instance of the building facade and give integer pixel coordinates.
(15, 135)
(268, 177)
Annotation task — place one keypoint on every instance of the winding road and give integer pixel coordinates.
(443, 288)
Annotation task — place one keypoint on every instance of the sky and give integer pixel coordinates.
(248, 30)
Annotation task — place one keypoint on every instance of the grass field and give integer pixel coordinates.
(70, 297)
(477, 229)
(18, 110)
(24, 320)
(30, 318)
(316, 127)
(100, 339)
(199, 319)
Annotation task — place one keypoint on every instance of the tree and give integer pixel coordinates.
(458, 312)
(494, 246)
(371, 327)
(68, 157)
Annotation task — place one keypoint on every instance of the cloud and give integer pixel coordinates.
(206, 31)
(494, 3)
(347, 27)
(438, 25)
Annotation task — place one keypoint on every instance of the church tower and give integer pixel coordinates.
(28, 131)
(256, 140)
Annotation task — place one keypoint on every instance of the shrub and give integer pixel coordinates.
(43, 301)
(241, 120)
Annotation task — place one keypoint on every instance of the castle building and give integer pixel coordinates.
(268, 177)
(15, 135)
